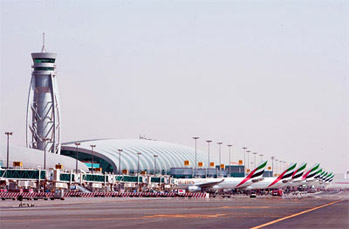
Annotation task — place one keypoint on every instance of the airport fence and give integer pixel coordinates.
(14, 195)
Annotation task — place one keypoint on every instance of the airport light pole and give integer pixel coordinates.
(208, 151)
(139, 153)
(8, 147)
(119, 150)
(220, 157)
(261, 157)
(77, 156)
(195, 139)
(229, 146)
(276, 166)
(284, 162)
(255, 154)
(155, 156)
(93, 167)
(244, 148)
(272, 165)
(248, 158)
(281, 166)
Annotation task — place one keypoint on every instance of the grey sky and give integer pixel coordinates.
(269, 75)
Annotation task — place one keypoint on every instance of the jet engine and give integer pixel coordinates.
(194, 188)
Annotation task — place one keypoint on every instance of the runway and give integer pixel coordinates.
(320, 211)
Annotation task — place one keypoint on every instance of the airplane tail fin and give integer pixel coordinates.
(318, 173)
(256, 173)
(322, 177)
(299, 171)
(311, 172)
(331, 175)
(331, 179)
(289, 171)
(286, 174)
(319, 177)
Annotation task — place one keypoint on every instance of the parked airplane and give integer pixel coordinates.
(328, 177)
(299, 171)
(204, 184)
(273, 182)
(311, 172)
(324, 179)
(296, 177)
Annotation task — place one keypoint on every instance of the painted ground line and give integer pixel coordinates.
(294, 215)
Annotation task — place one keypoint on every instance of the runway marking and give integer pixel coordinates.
(244, 207)
(294, 215)
(185, 216)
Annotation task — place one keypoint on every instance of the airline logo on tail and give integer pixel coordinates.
(330, 179)
(311, 172)
(318, 173)
(323, 175)
(331, 175)
(299, 172)
(257, 172)
(287, 173)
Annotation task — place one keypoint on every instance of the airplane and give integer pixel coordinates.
(324, 179)
(273, 182)
(299, 177)
(296, 176)
(311, 172)
(207, 184)
(313, 181)
(319, 175)
(330, 179)
(299, 171)
(322, 176)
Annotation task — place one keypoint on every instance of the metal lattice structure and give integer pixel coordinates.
(43, 123)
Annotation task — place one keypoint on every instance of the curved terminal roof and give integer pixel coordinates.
(169, 154)
(32, 158)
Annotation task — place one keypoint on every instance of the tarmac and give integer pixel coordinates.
(321, 210)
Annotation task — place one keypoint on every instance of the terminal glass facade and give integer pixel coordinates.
(87, 159)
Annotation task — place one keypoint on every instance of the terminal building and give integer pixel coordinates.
(108, 154)
(34, 159)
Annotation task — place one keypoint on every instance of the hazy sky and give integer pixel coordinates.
(269, 75)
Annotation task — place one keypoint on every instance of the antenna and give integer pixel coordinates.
(43, 43)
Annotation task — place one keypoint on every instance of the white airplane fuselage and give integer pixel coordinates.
(232, 183)
(227, 183)
(266, 183)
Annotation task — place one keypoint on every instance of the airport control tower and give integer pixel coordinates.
(43, 125)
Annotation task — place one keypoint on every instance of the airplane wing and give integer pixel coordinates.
(207, 185)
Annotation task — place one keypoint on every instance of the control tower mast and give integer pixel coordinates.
(43, 125)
